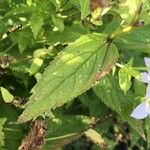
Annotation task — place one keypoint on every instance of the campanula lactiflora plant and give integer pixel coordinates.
(70, 72)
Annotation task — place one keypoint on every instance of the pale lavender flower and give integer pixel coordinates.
(145, 77)
(143, 109)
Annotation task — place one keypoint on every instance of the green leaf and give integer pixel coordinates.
(71, 73)
(36, 64)
(147, 128)
(128, 10)
(11, 134)
(85, 8)
(137, 40)
(21, 9)
(58, 142)
(92, 102)
(2, 28)
(124, 79)
(25, 38)
(7, 96)
(130, 63)
(22, 43)
(139, 89)
(42, 53)
(136, 74)
(36, 23)
(95, 137)
(58, 22)
(109, 93)
(125, 75)
(69, 34)
(110, 25)
(97, 17)
(65, 129)
(2, 136)
(21, 66)
(29, 2)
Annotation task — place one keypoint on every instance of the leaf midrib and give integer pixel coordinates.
(94, 53)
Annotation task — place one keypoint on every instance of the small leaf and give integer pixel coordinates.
(25, 39)
(97, 17)
(36, 64)
(92, 102)
(36, 23)
(124, 79)
(65, 129)
(29, 2)
(85, 8)
(11, 134)
(7, 96)
(109, 93)
(130, 63)
(111, 25)
(21, 66)
(139, 89)
(70, 34)
(58, 22)
(136, 74)
(2, 136)
(128, 9)
(72, 73)
(41, 53)
(22, 43)
(139, 44)
(147, 128)
(96, 138)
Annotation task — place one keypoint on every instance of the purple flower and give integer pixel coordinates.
(145, 77)
(143, 109)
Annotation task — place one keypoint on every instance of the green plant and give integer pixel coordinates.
(71, 69)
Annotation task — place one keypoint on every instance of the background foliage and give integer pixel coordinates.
(74, 67)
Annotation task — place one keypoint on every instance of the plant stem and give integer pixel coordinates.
(119, 65)
(121, 32)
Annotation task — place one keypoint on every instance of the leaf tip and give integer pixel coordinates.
(22, 119)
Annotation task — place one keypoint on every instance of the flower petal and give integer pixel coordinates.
(148, 91)
(140, 112)
(144, 77)
(147, 61)
(148, 107)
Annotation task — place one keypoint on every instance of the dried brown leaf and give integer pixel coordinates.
(35, 138)
(94, 4)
